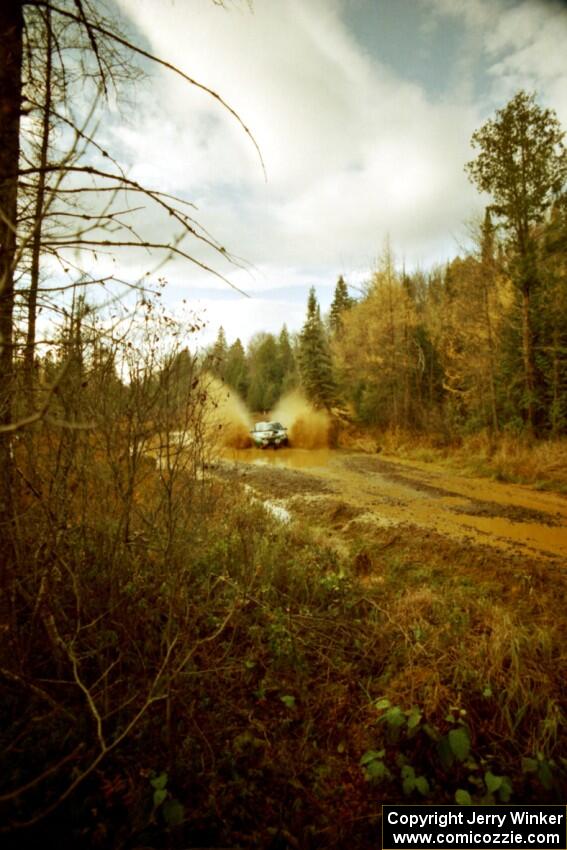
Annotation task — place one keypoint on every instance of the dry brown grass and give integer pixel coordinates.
(475, 629)
(542, 462)
(508, 457)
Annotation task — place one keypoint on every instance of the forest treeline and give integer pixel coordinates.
(435, 351)
(477, 344)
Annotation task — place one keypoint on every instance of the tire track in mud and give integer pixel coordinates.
(512, 518)
(396, 472)
(390, 493)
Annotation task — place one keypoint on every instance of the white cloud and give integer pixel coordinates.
(521, 45)
(473, 13)
(529, 44)
(241, 318)
(352, 151)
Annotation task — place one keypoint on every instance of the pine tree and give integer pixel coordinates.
(218, 354)
(551, 310)
(265, 372)
(522, 163)
(236, 368)
(341, 302)
(288, 366)
(315, 363)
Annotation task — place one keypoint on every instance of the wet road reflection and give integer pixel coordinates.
(287, 457)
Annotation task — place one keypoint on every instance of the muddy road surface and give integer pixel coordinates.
(349, 492)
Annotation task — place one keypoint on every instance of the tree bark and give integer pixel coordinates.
(528, 357)
(491, 358)
(555, 413)
(29, 351)
(11, 29)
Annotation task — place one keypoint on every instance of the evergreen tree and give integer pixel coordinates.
(288, 366)
(341, 302)
(551, 312)
(236, 368)
(218, 354)
(265, 372)
(315, 363)
(522, 163)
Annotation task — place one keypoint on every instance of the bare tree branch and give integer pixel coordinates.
(128, 44)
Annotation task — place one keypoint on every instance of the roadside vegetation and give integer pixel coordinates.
(217, 678)
(514, 458)
(178, 667)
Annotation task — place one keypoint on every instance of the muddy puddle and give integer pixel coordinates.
(286, 458)
(511, 518)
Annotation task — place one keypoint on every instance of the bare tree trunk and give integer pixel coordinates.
(491, 358)
(526, 282)
(29, 350)
(528, 357)
(11, 28)
(487, 284)
(556, 383)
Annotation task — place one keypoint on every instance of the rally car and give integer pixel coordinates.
(266, 434)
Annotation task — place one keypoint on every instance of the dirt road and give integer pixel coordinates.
(347, 490)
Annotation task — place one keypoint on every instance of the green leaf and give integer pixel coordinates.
(383, 703)
(487, 692)
(545, 775)
(493, 783)
(371, 755)
(408, 784)
(243, 740)
(460, 743)
(414, 718)
(505, 790)
(173, 812)
(463, 798)
(408, 772)
(159, 796)
(159, 782)
(445, 753)
(288, 701)
(529, 765)
(422, 785)
(376, 771)
(431, 731)
(395, 717)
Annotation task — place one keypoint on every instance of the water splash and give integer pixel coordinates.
(308, 428)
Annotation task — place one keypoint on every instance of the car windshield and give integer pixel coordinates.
(276, 426)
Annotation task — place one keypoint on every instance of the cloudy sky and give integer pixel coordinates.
(363, 111)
